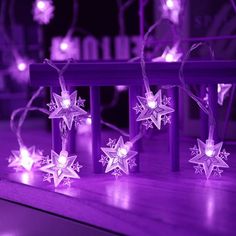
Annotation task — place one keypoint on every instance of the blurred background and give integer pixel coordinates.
(108, 30)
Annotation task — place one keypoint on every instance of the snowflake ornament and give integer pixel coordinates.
(66, 108)
(43, 11)
(171, 10)
(25, 158)
(118, 157)
(152, 110)
(169, 55)
(61, 167)
(208, 157)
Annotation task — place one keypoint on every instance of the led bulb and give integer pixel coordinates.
(169, 57)
(63, 158)
(218, 88)
(26, 160)
(122, 152)
(209, 149)
(170, 4)
(152, 104)
(21, 66)
(24, 152)
(41, 5)
(88, 121)
(64, 46)
(65, 100)
(66, 103)
(151, 100)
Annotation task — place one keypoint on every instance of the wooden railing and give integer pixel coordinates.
(96, 74)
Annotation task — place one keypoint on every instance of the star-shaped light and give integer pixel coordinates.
(43, 11)
(222, 90)
(153, 110)
(60, 167)
(209, 156)
(171, 10)
(25, 158)
(118, 156)
(67, 108)
(169, 55)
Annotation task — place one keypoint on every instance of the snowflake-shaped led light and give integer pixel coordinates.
(43, 11)
(67, 107)
(208, 157)
(171, 10)
(19, 70)
(25, 158)
(169, 55)
(61, 167)
(64, 48)
(153, 110)
(118, 157)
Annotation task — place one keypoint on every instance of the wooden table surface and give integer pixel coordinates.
(155, 201)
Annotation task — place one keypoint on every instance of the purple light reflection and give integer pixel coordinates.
(119, 194)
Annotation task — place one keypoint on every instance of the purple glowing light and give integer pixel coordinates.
(64, 48)
(169, 55)
(121, 88)
(25, 158)
(117, 157)
(153, 110)
(66, 108)
(209, 158)
(61, 167)
(41, 5)
(43, 11)
(21, 66)
(171, 10)
(64, 45)
(19, 70)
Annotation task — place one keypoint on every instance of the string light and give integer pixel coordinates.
(209, 158)
(171, 10)
(64, 48)
(19, 69)
(61, 167)
(118, 157)
(66, 108)
(153, 110)
(25, 158)
(43, 11)
(169, 55)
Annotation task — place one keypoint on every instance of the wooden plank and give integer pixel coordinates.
(96, 128)
(134, 91)
(174, 130)
(123, 73)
